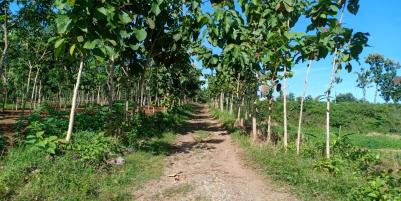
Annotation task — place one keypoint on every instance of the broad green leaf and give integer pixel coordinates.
(59, 42)
(102, 10)
(124, 34)
(124, 18)
(134, 47)
(63, 23)
(91, 44)
(155, 9)
(113, 42)
(140, 34)
(72, 48)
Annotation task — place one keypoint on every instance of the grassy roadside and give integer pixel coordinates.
(288, 169)
(27, 175)
(81, 171)
(351, 174)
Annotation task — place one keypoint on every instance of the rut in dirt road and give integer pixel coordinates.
(206, 165)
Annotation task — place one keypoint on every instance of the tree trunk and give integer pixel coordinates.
(222, 101)
(376, 89)
(299, 136)
(5, 100)
(34, 88)
(328, 95)
(110, 83)
(5, 41)
(40, 94)
(142, 90)
(98, 96)
(27, 86)
(254, 126)
(269, 119)
(285, 139)
(74, 101)
(232, 104)
(328, 105)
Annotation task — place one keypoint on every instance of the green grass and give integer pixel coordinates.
(306, 175)
(34, 175)
(297, 172)
(27, 175)
(352, 117)
(377, 141)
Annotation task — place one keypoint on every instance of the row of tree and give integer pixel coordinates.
(259, 47)
(76, 52)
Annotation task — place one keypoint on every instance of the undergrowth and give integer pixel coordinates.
(352, 173)
(44, 167)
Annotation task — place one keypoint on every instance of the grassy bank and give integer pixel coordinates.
(353, 173)
(43, 167)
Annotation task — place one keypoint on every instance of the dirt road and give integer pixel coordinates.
(206, 165)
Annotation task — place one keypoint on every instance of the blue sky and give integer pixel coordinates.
(382, 20)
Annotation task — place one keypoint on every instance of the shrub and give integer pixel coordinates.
(333, 165)
(385, 186)
(39, 142)
(93, 147)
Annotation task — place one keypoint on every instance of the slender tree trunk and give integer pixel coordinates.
(34, 87)
(5, 99)
(40, 94)
(98, 95)
(285, 108)
(328, 94)
(27, 86)
(328, 105)
(74, 102)
(110, 94)
(238, 99)
(222, 101)
(232, 104)
(254, 123)
(5, 41)
(126, 105)
(376, 89)
(269, 118)
(35, 96)
(299, 136)
(364, 93)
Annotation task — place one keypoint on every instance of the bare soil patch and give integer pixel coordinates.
(206, 165)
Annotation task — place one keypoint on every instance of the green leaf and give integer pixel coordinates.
(102, 10)
(151, 23)
(124, 18)
(140, 34)
(113, 42)
(63, 23)
(134, 47)
(59, 42)
(91, 44)
(124, 34)
(72, 48)
(80, 39)
(177, 37)
(155, 9)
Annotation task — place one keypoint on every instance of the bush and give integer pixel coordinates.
(2, 143)
(93, 147)
(39, 142)
(385, 186)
